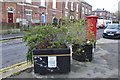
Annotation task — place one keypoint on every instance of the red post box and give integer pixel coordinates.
(91, 26)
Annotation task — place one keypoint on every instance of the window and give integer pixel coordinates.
(71, 17)
(76, 16)
(9, 9)
(77, 7)
(107, 14)
(86, 11)
(72, 6)
(54, 4)
(89, 11)
(83, 10)
(42, 2)
(101, 14)
(28, 1)
(95, 13)
(66, 4)
(66, 14)
(28, 12)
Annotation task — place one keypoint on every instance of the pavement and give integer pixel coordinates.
(11, 36)
(104, 65)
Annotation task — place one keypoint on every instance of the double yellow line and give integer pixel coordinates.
(13, 66)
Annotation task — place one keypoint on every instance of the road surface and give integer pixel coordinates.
(13, 51)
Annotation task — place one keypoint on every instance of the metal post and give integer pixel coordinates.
(61, 11)
(23, 15)
(46, 10)
(61, 7)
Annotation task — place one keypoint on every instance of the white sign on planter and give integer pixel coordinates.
(52, 61)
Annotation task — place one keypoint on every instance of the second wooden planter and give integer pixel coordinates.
(82, 53)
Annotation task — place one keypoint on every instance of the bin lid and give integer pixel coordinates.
(92, 16)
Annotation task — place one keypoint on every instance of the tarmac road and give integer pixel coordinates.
(13, 51)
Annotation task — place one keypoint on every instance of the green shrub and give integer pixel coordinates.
(41, 37)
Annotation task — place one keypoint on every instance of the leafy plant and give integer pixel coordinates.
(41, 37)
(78, 49)
(77, 32)
(81, 35)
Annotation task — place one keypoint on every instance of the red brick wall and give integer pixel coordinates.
(35, 15)
(19, 12)
(5, 13)
(0, 13)
(57, 12)
(36, 12)
(75, 12)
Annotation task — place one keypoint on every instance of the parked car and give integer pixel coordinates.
(112, 31)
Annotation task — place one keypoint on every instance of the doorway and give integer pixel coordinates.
(10, 17)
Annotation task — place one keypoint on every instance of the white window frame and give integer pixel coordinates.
(43, 3)
(77, 16)
(95, 13)
(89, 11)
(100, 13)
(86, 11)
(66, 14)
(83, 10)
(66, 4)
(10, 11)
(72, 5)
(77, 6)
(28, 1)
(54, 4)
(29, 10)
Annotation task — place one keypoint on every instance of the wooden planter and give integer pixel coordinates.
(85, 55)
(51, 60)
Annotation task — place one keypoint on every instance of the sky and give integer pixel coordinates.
(109, 5)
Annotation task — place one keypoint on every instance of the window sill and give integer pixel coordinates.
(29, 2)
(71, 10)
(42, 6)
(66, 8)
(54, 8)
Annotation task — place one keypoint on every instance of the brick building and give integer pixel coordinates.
(86, 9)
(102, 13)
(14, 12)
(37, 11)
(67, 8)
